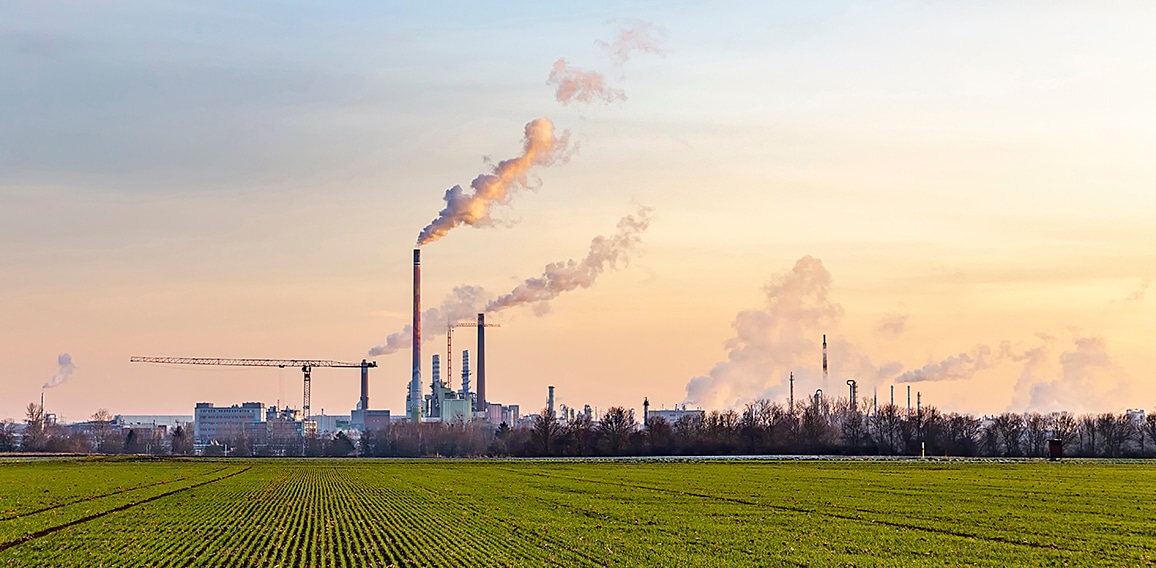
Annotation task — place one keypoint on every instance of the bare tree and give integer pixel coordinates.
(1036, 431)
(616, 426)
(545, 432)
(8, 436)
(1010, 427)
(1114, 430)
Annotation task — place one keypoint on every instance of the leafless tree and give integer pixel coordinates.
(1036, 428)
(616, 426)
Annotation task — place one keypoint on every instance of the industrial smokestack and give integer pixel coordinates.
(435, 387)
(480, 406)
(414, 409)
(824, 360)
(909, 400)
(363, 403)
(550, 401)
(791, 403)
(465, 392)
(645, 412)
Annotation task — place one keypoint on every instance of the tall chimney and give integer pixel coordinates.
(363, 404)
(909, 400)
(550, 400)
(791, 403)
(645, 412)
(480, 406)
(465, 392)
(414, 410)
(435, 387)
(824, 360)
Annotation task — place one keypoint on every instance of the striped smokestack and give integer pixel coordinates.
(414, 410)
(480, 403)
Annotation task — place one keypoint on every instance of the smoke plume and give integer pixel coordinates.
(582, 85)
(574, 84)
(558, 277)
(466, 301)
(61, 376)
(1086, 379)
(958, 367)
(542, 146)
(894, 324)
(461, 304)
(640, 37)
(772, 341)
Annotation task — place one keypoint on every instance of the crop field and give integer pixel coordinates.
(106, 512)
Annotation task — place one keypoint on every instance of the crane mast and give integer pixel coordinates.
(450, 343)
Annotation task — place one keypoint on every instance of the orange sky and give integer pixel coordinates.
(980, 174)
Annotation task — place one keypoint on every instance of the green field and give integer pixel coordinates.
(101, 512)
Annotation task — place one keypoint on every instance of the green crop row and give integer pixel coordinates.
(336, 513)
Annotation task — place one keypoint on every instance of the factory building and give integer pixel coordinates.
(365, 420)
(164, 422)
(672, 416)
(329, 424)
(213, 423)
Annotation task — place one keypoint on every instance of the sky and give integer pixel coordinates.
(959, 195)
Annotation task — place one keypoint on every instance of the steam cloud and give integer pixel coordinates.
(586, 86)
(1086, 378)
(466, 301)
(61, 376)
(558, 277)
(772, 341)
(582, 85)
(958, 367)
(641, 37)
(541, 147)
(462, 303)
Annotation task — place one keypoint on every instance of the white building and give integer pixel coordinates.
(212, 423)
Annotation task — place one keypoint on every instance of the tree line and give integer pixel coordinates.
(762, 427)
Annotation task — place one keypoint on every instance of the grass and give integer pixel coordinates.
(344, 513)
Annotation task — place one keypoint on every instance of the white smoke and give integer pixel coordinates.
(581, 85)
(575, 84)
(642, 36)
(1086, 379)
(961, 366)
(64, 360)
(772, 341)
(460, 304)
(541, 146)
(559, 277)
(464, 302)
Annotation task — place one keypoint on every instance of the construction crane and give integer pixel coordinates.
(306, 365)
(450, 343)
